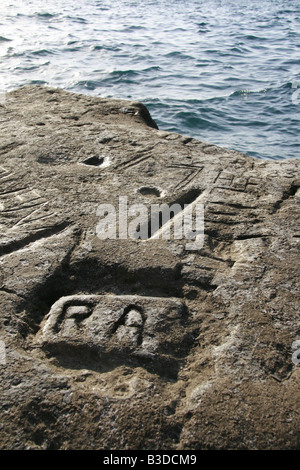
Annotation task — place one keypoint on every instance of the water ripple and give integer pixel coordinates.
(224, 72)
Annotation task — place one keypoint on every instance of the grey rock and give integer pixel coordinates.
(142, 344)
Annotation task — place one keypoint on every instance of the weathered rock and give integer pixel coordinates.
(142, 344)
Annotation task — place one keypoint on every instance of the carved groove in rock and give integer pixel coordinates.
(141, 344)
(130, 330)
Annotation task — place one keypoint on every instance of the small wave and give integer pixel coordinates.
(203, 27)
(123, 77)
(3, 39)
(239, 50)
(150, 69)
(72, 49)
(30, 68)
(132, 28)
(101, 7)
(46, 15)
(180, 55)
(104, 47)
(88, 84)
(252, 37)
(36, 82)
(77, 19)
(42, 52)
(291, 62)
(193, 120)
(275, 89)
(28, 54)
(178, 29)
(239, 93)
(283, 12)
(124, 73)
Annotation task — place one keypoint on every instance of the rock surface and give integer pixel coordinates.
(142, 344)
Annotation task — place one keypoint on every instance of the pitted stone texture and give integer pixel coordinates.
(142, 344)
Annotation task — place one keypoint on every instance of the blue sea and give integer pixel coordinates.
(225, 72)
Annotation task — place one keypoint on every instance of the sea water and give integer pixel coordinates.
(225, 72)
